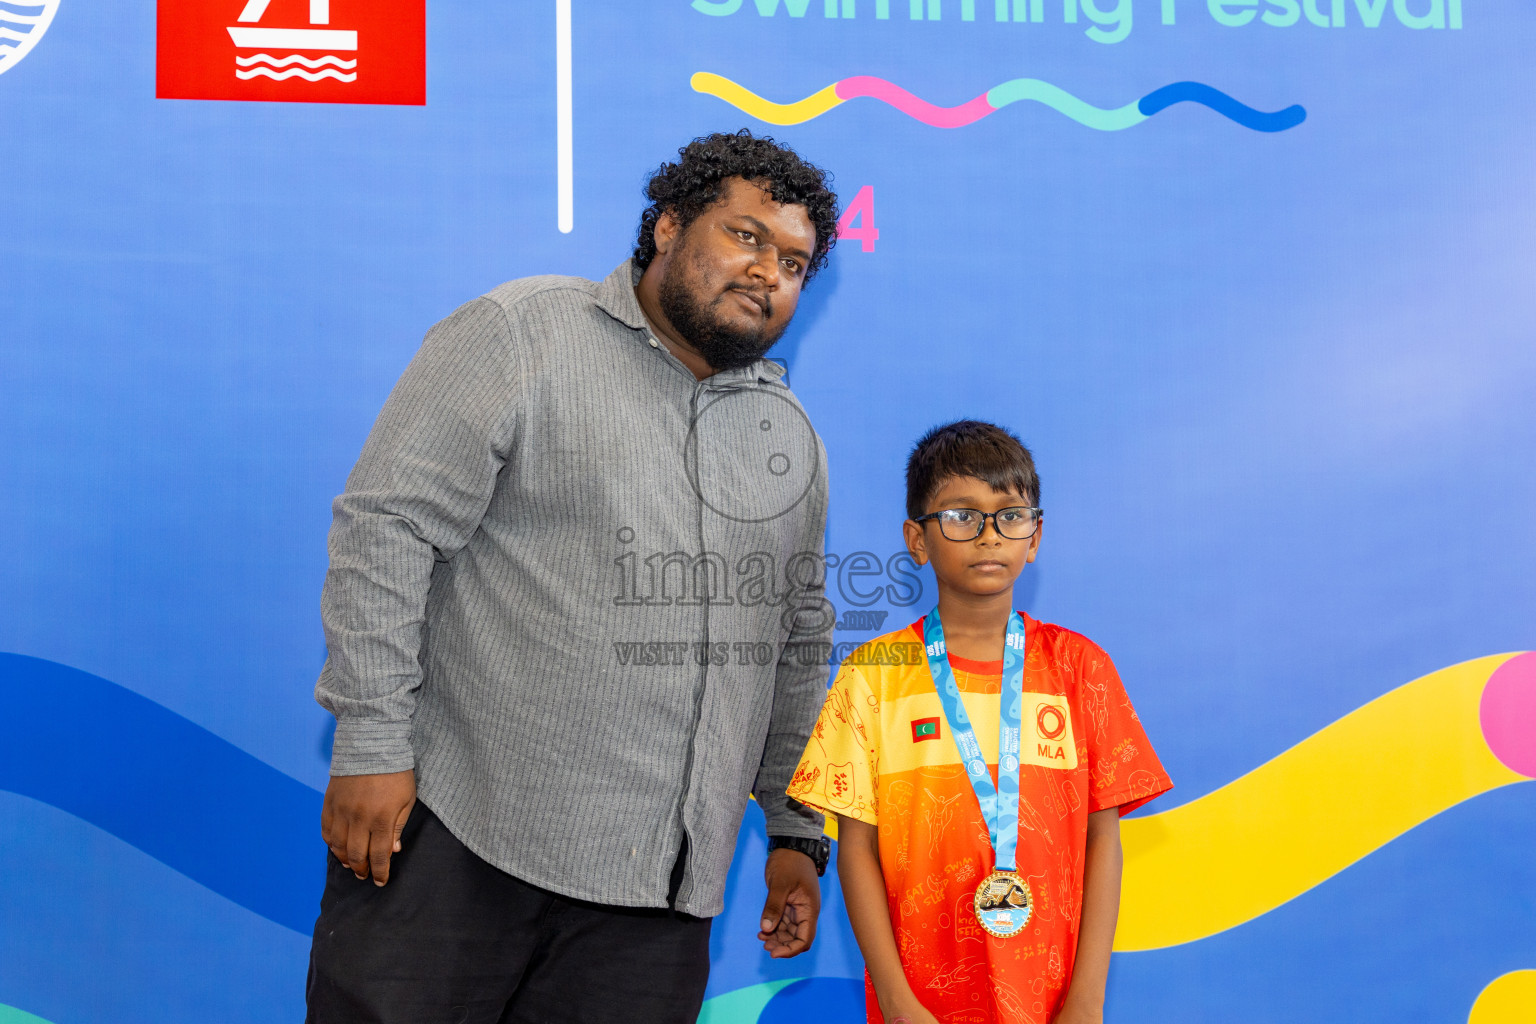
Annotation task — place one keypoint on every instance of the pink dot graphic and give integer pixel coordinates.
(1507, 714)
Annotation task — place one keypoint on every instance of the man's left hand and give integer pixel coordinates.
(794, 903)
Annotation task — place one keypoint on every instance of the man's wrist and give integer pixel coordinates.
(818, 849)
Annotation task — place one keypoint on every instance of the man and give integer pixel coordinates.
(574, 614)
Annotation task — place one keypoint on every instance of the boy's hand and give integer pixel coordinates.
(361, 820)
(794, 903)
(908, 1011)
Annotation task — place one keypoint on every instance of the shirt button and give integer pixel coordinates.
(653, 343)
(632, 851)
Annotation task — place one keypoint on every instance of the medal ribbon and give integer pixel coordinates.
(999, 803)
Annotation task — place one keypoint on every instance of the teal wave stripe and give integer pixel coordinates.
(742, 1006)
(11, 1015)
(1063, 102)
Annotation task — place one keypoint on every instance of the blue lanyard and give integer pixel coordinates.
(1000, 803)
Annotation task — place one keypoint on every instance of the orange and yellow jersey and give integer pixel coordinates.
(881, 752)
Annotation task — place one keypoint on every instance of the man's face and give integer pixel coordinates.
(732, 278)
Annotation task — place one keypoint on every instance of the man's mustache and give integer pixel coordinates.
(761, 298)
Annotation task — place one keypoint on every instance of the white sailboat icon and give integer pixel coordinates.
(247, 36)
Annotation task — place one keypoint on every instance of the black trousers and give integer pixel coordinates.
(452, 939)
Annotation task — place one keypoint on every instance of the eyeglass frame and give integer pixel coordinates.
(1037, 510)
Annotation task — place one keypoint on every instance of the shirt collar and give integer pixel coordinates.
(616, 297)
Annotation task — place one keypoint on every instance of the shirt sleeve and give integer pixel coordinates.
(839, 771)
(1124, 770)
(419, 491)
(800, 678)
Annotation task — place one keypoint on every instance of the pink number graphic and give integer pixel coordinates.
(862, 209)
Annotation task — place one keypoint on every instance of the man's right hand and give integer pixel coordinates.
(362, 817)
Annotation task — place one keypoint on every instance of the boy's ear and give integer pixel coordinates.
(917, 544)
(1034, 542)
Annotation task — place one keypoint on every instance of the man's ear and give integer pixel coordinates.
(666, 231)
(917, 543)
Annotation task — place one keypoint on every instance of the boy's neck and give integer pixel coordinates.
(975, 626)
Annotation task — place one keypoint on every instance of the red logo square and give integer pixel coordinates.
(292, 51)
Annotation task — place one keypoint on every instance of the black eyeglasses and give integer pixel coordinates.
(1017, 523)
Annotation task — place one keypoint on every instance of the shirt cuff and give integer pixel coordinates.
(364, 747)
(796, 821)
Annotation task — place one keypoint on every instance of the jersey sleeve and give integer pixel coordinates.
(1124, 770)
(838, 773)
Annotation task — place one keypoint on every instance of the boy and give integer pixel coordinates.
(979, 892)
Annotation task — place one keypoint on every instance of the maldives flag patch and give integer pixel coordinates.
(925, 729)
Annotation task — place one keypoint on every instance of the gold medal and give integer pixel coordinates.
(1003, 904)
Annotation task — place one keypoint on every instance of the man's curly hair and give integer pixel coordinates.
(693, 184)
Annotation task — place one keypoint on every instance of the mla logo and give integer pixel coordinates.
(1050, 744)
(22, 26)
(292, 51)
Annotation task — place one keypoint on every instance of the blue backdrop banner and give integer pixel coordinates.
(1252, 277)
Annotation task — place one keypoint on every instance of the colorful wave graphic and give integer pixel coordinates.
(132, 768)
(1310, 812)
(1332, 799)
(993, 100)
(1341, 793)
(1190, 872)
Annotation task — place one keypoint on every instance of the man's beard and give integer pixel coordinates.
(723, 347)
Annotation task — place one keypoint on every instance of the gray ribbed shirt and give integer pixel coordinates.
(580, 592)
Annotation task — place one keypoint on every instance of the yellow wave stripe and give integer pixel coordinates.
(1508, 999)
(1309, 813)
(754, 105)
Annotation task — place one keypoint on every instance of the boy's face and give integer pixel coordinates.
(981, 567)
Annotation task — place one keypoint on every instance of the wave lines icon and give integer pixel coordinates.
(265, 65)
(294, 58)
(1014, 91)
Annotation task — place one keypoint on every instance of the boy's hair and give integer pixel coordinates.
(694, 183)
(969, 448)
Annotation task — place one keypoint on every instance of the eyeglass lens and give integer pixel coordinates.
(1017, 523)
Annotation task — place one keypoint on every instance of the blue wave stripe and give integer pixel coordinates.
(1199, 92)
(10, 42)
(816, 999)
(188, 798)
(22, 10)
(17, 26)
